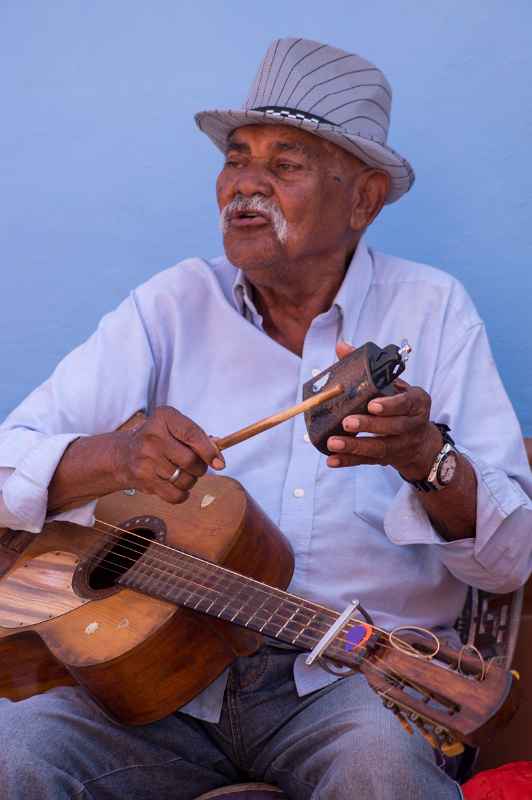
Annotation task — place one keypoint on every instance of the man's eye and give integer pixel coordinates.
(288, 166)
(232, 162)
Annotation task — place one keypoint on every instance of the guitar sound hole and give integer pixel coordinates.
(119, 558)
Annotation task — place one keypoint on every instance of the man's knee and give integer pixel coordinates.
(23, 730)
(34, 741)
(22, 735)
(348, 759)
(385, 762)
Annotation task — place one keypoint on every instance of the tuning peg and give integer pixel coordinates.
(448, 744)
(452, 748)
(431, 738)
(391, 706)
(405, 723)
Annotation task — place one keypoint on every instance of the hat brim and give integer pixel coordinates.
(218, 125)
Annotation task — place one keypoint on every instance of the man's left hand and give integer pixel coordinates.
(402, 434)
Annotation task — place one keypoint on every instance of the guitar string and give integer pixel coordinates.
(268, 590)
(396, 679)
(195, 588)
(390, 674)
(257, 585)
(399, 644)
(476, 651)
(409, 651)
(285, 594)
(492, 661)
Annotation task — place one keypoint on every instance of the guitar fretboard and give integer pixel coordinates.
(214, 590)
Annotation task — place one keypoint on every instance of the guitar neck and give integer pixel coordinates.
(208, 588)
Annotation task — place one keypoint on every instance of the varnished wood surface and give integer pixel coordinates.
(12, 544)
(206, 525)
(140, 657)
(475, 700)
(39, 589)
(73, 637)
(193, 649)
(224, 442)
(514, 743)
(27, 667)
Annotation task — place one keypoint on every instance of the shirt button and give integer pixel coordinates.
(315, 372)
(299, 492)
(306, 437)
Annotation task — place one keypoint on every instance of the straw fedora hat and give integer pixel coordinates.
(333, 94)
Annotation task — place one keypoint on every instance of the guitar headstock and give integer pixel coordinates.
(451, 698)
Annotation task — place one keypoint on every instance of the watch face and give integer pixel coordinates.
(447, 468)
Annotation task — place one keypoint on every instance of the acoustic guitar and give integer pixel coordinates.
(150, 605)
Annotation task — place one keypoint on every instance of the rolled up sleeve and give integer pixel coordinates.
(94, 389)
(497, 559)
(468, 396)
(25, 492)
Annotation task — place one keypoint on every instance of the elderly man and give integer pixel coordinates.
(401, 519)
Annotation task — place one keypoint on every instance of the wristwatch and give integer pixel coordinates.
(444, 466)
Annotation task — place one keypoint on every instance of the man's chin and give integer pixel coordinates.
(248, 255)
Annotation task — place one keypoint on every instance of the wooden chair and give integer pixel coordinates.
(246, 791)
(501, 627)
(514, 743)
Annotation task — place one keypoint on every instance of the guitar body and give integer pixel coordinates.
(149, 607)
(64, 621)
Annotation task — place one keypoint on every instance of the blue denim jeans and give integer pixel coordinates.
(338, 743)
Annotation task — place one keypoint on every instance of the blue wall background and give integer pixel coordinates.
(104, 179)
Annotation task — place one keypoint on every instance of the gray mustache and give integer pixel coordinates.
(258, 204)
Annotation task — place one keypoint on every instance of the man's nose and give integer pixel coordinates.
(252, 179)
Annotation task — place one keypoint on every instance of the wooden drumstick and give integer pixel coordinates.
(224, 442)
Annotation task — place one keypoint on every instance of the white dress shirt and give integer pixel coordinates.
(191, 337)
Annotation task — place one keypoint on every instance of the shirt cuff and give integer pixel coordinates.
(498, 496)
(25, 492)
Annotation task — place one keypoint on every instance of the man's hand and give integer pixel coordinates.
(142, 458)
(402, 434)
(404, 437)
(147, 456)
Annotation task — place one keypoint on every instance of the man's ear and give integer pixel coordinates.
(369, 195)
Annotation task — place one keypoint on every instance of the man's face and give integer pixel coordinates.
(288, 196)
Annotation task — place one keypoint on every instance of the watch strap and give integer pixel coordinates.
(426, 485)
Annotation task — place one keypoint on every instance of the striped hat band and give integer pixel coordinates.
(333, 94)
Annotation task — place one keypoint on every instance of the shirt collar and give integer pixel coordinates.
(243, 299)
(349, 299)
(242, 294)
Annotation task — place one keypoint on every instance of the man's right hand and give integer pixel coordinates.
(143, 458)
(149, 454)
